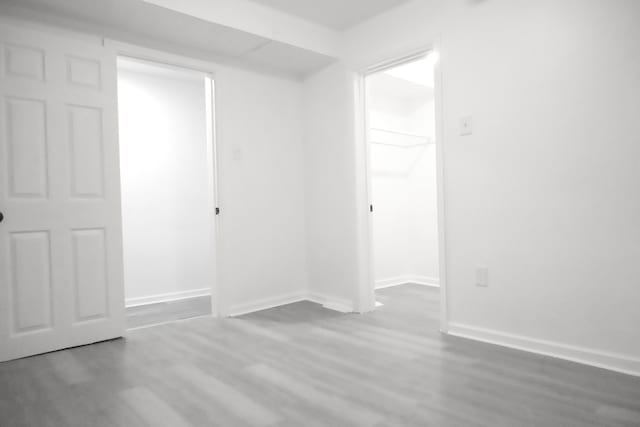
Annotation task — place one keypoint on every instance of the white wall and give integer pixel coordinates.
(261, 168)
(391, 229)
(261, 188)
(330, 194)
(423, 201)
(163, 168)
(405, 238)
(261, 245)
(422, 218)
(545, 191)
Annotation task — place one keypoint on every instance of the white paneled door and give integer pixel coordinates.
(60, 239)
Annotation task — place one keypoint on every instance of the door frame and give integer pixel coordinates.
(366, 293)
(130, 51)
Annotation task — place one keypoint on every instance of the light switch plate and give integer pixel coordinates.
(466, 126)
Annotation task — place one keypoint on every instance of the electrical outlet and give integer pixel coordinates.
(482, 277)
(466, 126)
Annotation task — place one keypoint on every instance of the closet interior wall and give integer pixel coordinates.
(163, 168)
(403, 180)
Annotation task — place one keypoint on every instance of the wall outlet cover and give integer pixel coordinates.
(466, 126)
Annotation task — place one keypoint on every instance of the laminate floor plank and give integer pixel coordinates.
(163, 312)
(303, 365)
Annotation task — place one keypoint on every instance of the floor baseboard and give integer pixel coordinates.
(402, 280)
(331, 303)
(614, 362)
(336, 304)
(167, 297)
(266, 303)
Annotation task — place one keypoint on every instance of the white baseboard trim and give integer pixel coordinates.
(267, 303)
(614, 362)
(171, 296)
(402, 280)
(331, 303)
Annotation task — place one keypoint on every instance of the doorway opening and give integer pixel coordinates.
(402, 173)
(167, 173)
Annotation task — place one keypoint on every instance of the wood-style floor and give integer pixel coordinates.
(302, 365)
(162, 312)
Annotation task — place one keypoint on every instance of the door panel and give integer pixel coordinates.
(85, 138)
(61, 240)
(90, 273)
(24, 61)
(27, 146)
(30, 275)
(84, 72)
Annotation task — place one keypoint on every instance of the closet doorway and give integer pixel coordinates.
(402, 177)
(167, 171)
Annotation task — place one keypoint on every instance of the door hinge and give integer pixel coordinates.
(217, 211)
(370, 208)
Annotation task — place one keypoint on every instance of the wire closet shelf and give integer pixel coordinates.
(396, 138)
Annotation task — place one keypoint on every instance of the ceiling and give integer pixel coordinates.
(336, 14)
(419, 72)
(159, 70)
(403, 88)
(138, 22)
(383, 87)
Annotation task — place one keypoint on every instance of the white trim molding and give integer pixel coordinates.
(611, 361)
(170, 296)
(331, 303)
(266, 303)
(336, 304)
(403, 280)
